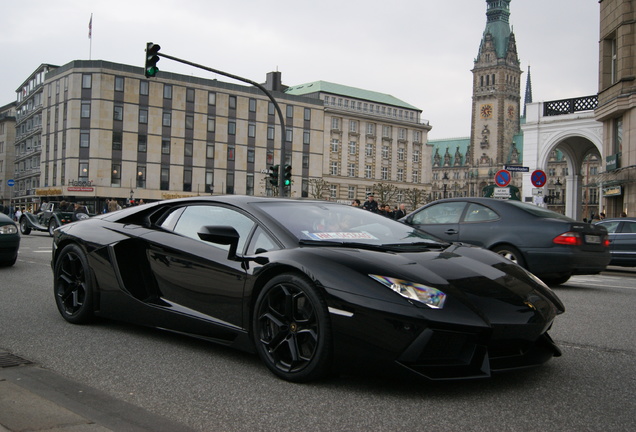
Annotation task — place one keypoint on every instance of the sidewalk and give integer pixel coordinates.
(36, 399)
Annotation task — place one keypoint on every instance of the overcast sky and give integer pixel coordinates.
(420, 51)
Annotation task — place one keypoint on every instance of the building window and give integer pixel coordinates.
(368, 149)
(351, 192)
(353, 126)
(118, 113)
(251, 130)
(400, 154)
(250, 155)
(187, 149)
(189, 95)
(167, 119)
(307, 116)
(232, 102)
(115, 175)
(353, 147)
(270, 157)
(87, 80)
(189, 122)
(333, 191)
(141, 176)
(402, 132)
(252, 104)
(231, 128)
(334, 145)
(143, 88)
(416, 156)
(84, 139)
(370, 128)
(335, 123)
(249, 184)
(165, 146)
(417, 136)
(367, 171)
(230, 153)
(352, 170)
(270, 132)
(385, 152)
(416, 176)
(82, 175)
(117, 140)
(209, 181)
(187, 180)
(271, 110)
(289, 111)
(211, 98)
(167, 91)
(386, 131)
(229, 183)
(384, 172)
(618, 136)
(306, 137)
(86, 109)
(165, 178)
(211, 124)
(289, 135)
(142, 143)
(143, 116)
(119, 84)
(334, 168)
(305, 161)
(209, 151)
(400, 174)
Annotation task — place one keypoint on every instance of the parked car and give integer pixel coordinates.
(51, 215)
(9, 241)
(622, 237)
(548, 244)
(313, 287)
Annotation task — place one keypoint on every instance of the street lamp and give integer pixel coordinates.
(444, 180)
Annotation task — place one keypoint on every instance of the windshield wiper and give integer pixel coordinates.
(393, 247)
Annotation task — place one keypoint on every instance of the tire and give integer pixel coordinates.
(292, 329)
(52, 226)
(511, 253)
(554, 281)
(73, 286)
(24, 226)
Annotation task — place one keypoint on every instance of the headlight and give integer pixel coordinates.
(8, 229)
(431, 297)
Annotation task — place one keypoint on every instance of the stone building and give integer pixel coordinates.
(7, 153)
(617, 106)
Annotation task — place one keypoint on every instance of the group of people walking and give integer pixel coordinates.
(384, 209)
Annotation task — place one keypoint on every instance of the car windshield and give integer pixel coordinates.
(342, 224)
(540, 211)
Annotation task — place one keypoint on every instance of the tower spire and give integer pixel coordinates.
(497, 25)
(528, 96)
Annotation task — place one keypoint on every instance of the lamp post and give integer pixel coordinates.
(444, 180)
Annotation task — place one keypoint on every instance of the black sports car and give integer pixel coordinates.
(312, 286)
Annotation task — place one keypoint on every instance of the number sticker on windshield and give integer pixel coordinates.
(362, 235)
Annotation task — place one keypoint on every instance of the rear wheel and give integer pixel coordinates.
(511, 253)
(292, 330)
(52, 225)
(73, 285)
(553, 281)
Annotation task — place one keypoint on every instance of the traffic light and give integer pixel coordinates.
(151, 59)
(287, 175)
(273, 175)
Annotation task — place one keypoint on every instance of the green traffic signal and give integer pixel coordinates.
(152, 58)
(287, 175)
(273, 175)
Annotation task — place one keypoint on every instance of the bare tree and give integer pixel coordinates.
(317, 187)
(415, 197)
(385, 192)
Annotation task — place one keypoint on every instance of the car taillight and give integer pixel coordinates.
(606, 242)
(568, 238)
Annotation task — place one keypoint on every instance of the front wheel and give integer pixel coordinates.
(52, 225)
(73, 285)
(24, 226)
(292, 330)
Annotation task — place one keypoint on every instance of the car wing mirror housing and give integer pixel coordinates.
(221, 234)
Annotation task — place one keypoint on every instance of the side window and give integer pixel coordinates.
(628, 227)
(479, 213)
(195, 217)
(261, 242)
(444, 213)
(611, 226)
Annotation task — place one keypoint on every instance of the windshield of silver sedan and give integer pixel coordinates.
(314, 223)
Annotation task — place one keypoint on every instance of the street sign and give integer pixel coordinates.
(502, 192)
(10, 182)
(516, 168)
(538, 178)
(502, 178)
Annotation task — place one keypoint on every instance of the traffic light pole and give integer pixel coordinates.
(283, 132)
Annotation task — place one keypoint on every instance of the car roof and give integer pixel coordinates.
(618, 219)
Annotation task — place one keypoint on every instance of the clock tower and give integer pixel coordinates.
(496, 98)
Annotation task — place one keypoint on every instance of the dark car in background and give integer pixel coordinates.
(50, 216)
(9, 241)
(622, 237)
(313, 287)
(548, 244)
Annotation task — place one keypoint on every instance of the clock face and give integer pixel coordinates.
(511, 112)
(486, 111)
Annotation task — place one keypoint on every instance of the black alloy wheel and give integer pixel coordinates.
(292, 330)
(73, 286)
(52, 226)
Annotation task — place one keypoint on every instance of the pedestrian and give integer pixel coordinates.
(370, 204)
(112, 205)
(80, 212)
(400, 212)
(355, 203)
(623, 214)
(17, 214)
(386, 211)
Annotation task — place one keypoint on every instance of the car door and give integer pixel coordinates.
(479, 225)
(441, 219)
(623, 244)
(196, 276)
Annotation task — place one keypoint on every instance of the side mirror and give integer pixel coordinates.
(221, 234)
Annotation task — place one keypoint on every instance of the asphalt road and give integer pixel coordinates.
(592, 387)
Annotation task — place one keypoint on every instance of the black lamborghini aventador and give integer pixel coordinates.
(312, 286)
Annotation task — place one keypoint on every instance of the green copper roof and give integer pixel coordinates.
(352, 92)
(498, 13)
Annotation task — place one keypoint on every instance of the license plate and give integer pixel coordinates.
(593, 239)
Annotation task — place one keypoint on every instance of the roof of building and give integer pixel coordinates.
(352, 92)
(498, 25)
